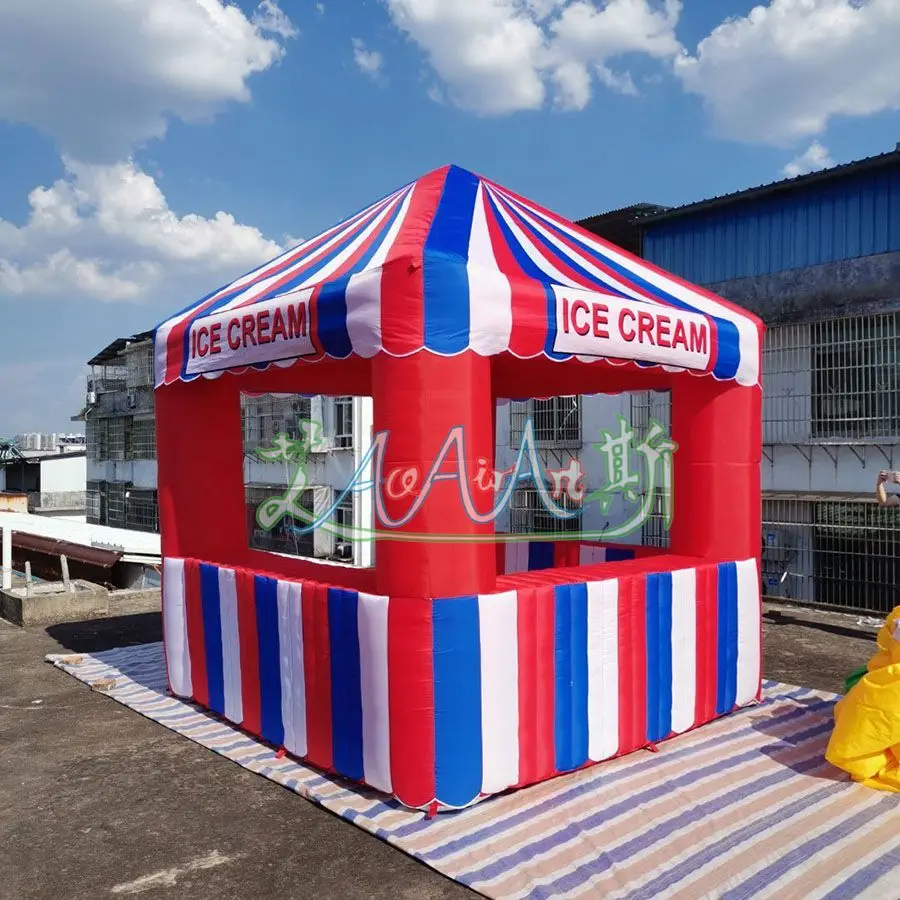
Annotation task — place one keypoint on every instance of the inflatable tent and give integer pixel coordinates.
(445, 672)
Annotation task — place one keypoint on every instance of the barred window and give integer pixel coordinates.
(286, 536)
(139, 365)
(855, 377)
(529, 515)
(143, 439)
(265, 416)
(141, 510)
(343, 422)
(556, 421)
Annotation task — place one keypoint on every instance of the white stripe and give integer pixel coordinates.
(749, 649)
(178, 658)
(684, 649)
(231, 646)
(298, 675)
(603, 669)
(498, 633)
(284, 659)
(363, 293)
(748, 368)
(490, 293)
(591, 554)
(511, 558)
(522, 556)
(372, 628)
(541, 261)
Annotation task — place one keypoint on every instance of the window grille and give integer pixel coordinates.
(841, 553)
(141, 510)
(139, 365)
(92, 505)
(119, 432)
(264, 417)
(855, 378)
(143, 439)
(285, 536)
(529, 515)
(343, 520)
(97, 437)
(648, 407)
(343, 422)
(115, 505)
(556, 421)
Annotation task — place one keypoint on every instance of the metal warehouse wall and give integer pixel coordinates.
(852, 217)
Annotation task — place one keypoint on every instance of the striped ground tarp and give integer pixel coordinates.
(743, 807)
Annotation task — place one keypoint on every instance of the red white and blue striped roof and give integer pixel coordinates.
(449, 263)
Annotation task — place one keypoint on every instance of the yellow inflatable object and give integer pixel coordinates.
(866, 737)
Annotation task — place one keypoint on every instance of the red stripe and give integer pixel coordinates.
(707, 640)
(528, 334)
(196, 645)
(249, 652)
(536, 689)
(175, 338)
(402, 279)
(566, 554)
(500, 549)
(632, 663)
(317, 672)
(411, 699)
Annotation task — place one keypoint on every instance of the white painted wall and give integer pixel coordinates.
(63, 473)
(140, 473)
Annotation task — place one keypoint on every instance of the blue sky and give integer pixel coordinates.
(153, 152)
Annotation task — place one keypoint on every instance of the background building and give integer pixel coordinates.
(121, 488)
(818, 259)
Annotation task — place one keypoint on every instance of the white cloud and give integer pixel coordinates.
(502, 56)
(780, 73)
(107, 233)
(816, 157)
(369, 61)
(102, 83)
(268, 17)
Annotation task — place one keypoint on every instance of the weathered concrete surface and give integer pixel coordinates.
(51, 604)
(849, 287)
(132, 602)
(95, 799)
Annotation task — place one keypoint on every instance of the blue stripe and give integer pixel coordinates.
(266, 592)
(346, 685)
(457, 701)
(579, 600)
(331, 305)
(726, 682)
(570, 676)
(616, 554)
(653, 673)
(540, 555)
(212, 636)
(531, 270)
(659, 656)
(728, 339)
(446, 302)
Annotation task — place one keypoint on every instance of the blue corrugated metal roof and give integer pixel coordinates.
(828, 220)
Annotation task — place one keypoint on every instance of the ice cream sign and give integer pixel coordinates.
(592, 324)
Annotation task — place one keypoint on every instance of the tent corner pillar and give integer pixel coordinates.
(716, 481)
(424, 404)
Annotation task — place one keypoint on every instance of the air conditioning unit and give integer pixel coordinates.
(131, 400)
(343, 550)
(91, 398)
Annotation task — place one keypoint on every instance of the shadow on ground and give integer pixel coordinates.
(97, 635)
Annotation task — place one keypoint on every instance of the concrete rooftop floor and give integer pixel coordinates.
(96, 801)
